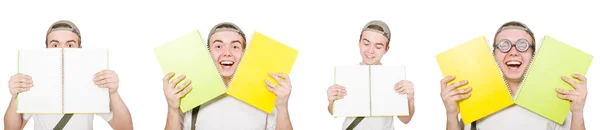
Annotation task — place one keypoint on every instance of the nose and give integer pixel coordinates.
(371, 49)
(513, 52)
(227, 52)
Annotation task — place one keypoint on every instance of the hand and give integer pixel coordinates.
(577, 96)
(282, 92)
(450, 95)
(405, 87)
(172, 93)
(19, 83)
(335, 92)
(107, 79)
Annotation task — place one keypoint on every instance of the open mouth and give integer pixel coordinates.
(513, 64)
(226, 63)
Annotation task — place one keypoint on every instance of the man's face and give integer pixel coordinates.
(372, 46)
(62, 39)
(513, 63)
(226, 50)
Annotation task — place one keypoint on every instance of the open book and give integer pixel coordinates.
(370, 91)
(473, 61)
(189, 55)
(538, 90)
(63, 81)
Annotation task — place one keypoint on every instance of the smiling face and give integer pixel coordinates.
(514, 63)
(372, 46)
(62, 39)
(226, 48)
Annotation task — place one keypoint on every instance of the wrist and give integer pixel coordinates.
(451, 116)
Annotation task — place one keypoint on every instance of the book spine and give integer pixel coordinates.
(370, 93)
(528, 69)
(62, 58)
(500, 70)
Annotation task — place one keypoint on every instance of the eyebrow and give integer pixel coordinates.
(365, 39)
(217, 41)
(236, 41)
(53, 41)
(71, 41)
(379, 44)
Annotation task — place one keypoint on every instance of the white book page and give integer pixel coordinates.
(44, 67)
(356, 81)
(385, 100)
(81, 94)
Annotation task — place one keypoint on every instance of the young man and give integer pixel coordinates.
(374, 43)
(227, 44)
(64, 34)
(514, 46)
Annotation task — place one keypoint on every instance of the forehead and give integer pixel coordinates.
(226, 36)
(62, 36)
(373, 36)
(514, 35)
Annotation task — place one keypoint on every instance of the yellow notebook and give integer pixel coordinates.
(538, 90)
(473, 61)
(263, 55)
(189, 55)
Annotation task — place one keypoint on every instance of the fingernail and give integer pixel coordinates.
(469, 88)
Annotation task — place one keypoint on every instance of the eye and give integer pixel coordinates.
(218, 46)
(55, 45)
(70, 45)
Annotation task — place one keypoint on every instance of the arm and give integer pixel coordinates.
(406, 87)
(577, 122)
(450, 95)
(121, 117)
(577, 98)
(173, 96)
(334, 92)
(283, 119)
(12, 119)
(411, 109)
(17, 83)
(281, 102)
(452, 122)
(174, 120)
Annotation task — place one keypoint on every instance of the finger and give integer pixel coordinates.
(569, 81)
(445, 81)
(455, 85)
(398, 86)
(277, 78)
(459, 91)
(285, 77)
(177, 80)
(460, 97)
(184, 91)
(566, 92)
(182, 86)
(270, 85)
(566, 97)
(581, 78)
(167, 78)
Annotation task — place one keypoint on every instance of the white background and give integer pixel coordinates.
(325, 33)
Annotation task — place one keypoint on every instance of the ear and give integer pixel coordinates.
(387, 48)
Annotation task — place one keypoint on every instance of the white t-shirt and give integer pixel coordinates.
(77, 122)
(229, 113)
(372, 123)
(518, 118)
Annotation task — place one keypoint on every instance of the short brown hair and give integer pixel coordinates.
(517, 24)
(227, 26)
(376, 27)
(63, 25)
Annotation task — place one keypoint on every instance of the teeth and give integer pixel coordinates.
(227, 62)
(513, 63)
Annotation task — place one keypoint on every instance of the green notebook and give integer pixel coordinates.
(538, 90)
(189, 55)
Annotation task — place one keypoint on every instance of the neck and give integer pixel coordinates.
(514, 85)
(364, 63)
(226, 80)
